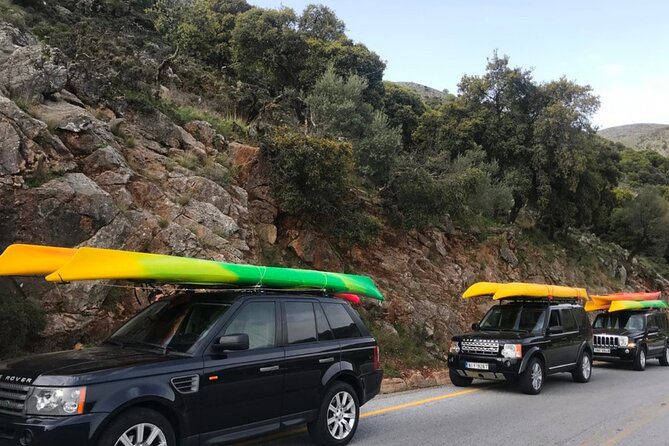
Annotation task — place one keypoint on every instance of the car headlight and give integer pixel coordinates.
(512, 351)
(623, 341)
(454, 348)
(56, 401)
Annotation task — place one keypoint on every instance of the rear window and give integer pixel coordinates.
(581, 317)
(341, 322)
(301, 323)
(568, 321)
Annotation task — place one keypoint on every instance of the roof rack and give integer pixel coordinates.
(535, 300)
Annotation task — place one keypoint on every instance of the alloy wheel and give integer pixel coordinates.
(642, 358)
(586, 367)
(537, 376)
(341, 415)
(143, 434)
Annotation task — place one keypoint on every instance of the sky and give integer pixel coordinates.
(619, 48)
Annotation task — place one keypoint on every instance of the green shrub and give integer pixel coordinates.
(20, 321)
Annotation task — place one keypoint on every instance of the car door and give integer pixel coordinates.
(242, 390)
(556, 350)
(655, 339)
(572, 335)
(311, 354)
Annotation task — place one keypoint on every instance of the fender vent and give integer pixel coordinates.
(186, 384)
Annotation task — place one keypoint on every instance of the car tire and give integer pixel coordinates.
(338, 416)
(137, 426)
(664, 359)
(531, 381)
(639, 363)
(583, 370)
(459, 381)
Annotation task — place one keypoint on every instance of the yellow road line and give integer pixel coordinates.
(417, 403)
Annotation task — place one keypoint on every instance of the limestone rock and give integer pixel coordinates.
(267, 233)
(316, 251)
(393, 385)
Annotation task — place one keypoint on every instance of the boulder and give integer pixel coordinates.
(27, 68)
(392, 385)
(316, 251)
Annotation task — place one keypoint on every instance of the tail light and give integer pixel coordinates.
(377, 358)
(352, 298)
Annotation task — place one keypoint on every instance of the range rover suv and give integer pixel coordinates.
(632, 336)
(523, 341)
(200, 368)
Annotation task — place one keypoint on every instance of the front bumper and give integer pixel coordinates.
(498, 368)
(77, 430)
(615, 354)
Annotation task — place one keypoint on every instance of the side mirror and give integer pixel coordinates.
(232, 342)
(557, 329)
(475, 326)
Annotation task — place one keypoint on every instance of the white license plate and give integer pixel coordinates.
(602, 350)
(476, 365)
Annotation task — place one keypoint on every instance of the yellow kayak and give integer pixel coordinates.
(526, 290)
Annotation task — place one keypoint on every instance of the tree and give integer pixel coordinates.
(267, 49)
(321, 22)
(403, 108)
(642, 225)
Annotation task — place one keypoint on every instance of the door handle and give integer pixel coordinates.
(326, 360)
(272, 368)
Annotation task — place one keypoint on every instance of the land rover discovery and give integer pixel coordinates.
(200, 368)
(523, 341)
(632, 336)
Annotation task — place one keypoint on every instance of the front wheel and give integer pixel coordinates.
(531, 381)
(583, 370)
(337, 418)
(139, 427)
(640, 360)
(459, 381)
(664, 359)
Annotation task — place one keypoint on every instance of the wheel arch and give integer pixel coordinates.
(534, 352)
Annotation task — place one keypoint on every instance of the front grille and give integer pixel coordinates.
(13, 398)
(187, 384)
(480, 346)
(606, 341)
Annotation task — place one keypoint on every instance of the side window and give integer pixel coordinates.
(554, 321)
(663, 321)
(581, 318)
(652, 322)
(341, 322)
(322, 326)
(300, 321)
(568, 321)
(258, 320)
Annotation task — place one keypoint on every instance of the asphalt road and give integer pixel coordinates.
(617, 407)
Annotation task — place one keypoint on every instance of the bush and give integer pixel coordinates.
(20, 321)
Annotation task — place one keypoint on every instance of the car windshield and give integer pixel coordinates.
(175, 324)
(618, 321)
(514, 318)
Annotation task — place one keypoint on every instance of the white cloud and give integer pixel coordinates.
(646, 101)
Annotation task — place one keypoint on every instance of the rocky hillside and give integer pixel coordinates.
(78, 171)
(640, 136)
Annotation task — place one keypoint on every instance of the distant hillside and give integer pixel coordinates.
(428, 94)
(640, 136)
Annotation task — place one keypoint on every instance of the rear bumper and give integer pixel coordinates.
(77, 430)
(371, 385)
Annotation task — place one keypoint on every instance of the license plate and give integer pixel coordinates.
(476, 365)
(602, 350)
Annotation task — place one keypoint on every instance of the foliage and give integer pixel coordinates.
(313, 177)
(644, 167)
(20, 321)
(404, 108)
(320, 22)
(642, 224)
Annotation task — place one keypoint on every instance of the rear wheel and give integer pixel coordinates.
(459, 381)
(531, 381)
(583, 370)
(664, 359)
(639, 363)
(337, 418)
(139, 427)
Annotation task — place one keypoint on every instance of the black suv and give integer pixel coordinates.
(632, 336)
(523, 341)
(200, 368)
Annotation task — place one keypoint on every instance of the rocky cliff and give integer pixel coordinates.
(76, 171)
